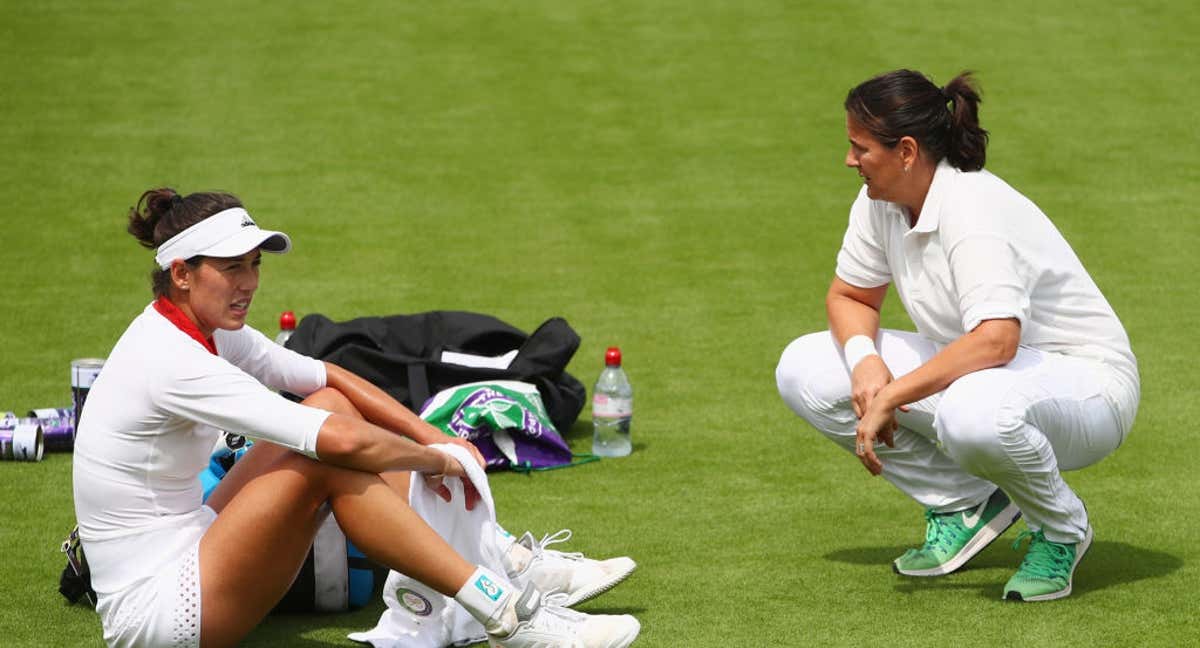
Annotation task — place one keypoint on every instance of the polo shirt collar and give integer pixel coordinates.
(943, 176)
(174, 315)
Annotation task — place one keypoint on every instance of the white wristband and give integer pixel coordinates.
(857, 349)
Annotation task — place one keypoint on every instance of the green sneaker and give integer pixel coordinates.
(951, 539)
(1047, 570)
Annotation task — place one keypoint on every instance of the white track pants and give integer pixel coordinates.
(1014, 426)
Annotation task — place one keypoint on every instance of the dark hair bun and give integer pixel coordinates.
(150, 209)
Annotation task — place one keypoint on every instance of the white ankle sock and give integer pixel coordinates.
(489, 598)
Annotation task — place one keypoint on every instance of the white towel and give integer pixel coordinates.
(418, 616)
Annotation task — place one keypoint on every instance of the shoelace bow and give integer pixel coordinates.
(564, 535)
(1045, 559)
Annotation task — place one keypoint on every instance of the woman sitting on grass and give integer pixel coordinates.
(1019, 367)
(169, 571)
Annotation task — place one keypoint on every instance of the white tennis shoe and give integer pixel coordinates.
(572, 575)
(543, 622)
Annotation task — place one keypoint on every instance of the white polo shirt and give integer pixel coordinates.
(152, 418)
(980, 250)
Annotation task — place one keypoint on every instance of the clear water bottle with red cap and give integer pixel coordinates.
(287, 325)
(612, 408)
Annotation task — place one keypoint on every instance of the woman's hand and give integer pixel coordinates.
(869, 376)
(470, 447)
(450, 467)
(429, 435)
(875, 426)
(878, 423)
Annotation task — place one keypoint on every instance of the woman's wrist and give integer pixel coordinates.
(430, 435)
(414, 429)
(886, 399)
(435, 461)
(857, 349)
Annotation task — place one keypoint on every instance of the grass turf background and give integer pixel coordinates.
(667, 176)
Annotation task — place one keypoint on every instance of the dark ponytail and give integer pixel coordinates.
(945, 122)
(967, 148)
(163, 213)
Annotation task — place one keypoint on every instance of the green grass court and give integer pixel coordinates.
(668, 177)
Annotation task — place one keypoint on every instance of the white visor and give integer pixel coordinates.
(229, 233)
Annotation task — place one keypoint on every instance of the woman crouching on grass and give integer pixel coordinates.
(170, 571)
(1019, 368)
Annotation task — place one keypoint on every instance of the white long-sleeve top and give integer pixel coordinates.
(152, 418)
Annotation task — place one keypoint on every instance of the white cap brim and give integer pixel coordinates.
(229, 233)
(248, 239)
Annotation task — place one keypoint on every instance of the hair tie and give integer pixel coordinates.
(176, 200)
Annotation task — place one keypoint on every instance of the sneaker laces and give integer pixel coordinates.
(553, 616)
(540, 548)
(938, 532)
(1045, 559)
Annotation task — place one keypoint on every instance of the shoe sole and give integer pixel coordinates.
(600, 588)
(1007, 517)
(1066, 591)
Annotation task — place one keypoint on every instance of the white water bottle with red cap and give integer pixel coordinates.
(287, 325)
(612, 408)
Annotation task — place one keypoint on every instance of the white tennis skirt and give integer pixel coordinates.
(163, 610)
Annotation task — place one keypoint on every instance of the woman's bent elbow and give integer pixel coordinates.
(337, 440)
(1001, 339)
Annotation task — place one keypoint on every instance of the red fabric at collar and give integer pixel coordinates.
(169, 310)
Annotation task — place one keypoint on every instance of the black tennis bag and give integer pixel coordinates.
(412, 357)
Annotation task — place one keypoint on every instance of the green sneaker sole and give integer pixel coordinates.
(982, 538)
(1066, 591)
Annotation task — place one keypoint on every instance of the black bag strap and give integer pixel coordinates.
(418, 384)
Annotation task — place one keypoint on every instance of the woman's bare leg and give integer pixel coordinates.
(268, 515)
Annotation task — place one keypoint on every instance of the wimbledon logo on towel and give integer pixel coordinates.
(417, 604)
(489, 589)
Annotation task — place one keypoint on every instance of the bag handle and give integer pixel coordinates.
(547, 350)
(418, 385)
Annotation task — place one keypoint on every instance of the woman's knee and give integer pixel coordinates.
(300, 476)
(332, 400)
(811, 377)
(322, 481)
(972, 427)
